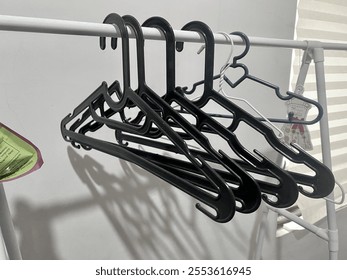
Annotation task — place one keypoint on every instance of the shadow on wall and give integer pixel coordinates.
(146, 229)
(143, 227)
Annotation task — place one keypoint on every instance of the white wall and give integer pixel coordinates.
(88, 205)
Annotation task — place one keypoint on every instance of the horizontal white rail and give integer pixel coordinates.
(54, 26)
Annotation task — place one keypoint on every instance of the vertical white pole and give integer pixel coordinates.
(3, 251)
(261, 233)
(318, 56)
(7, 228)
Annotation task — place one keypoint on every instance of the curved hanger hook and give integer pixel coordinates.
(247, 43)
(222, 70)
(117, 21)
(236, 64)
(227, 63)
(207, 34)
(164, 26)
(140, 42)
(111, 19)
(232, 47)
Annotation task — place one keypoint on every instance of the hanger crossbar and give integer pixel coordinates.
(66, 27)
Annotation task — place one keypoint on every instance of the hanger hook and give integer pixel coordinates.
(247, 43)
(227, 63)
(118, 23)
(164, 26)
(232, 45)
(204, 30)
(140, 42)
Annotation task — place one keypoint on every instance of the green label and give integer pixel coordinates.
(18, 156)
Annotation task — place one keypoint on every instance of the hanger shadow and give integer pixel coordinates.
(143, 210)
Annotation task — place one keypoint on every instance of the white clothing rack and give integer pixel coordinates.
(53, 26)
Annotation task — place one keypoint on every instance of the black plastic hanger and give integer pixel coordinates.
(223, 203)
(248, 192)
(321, 184)
(246, 75)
